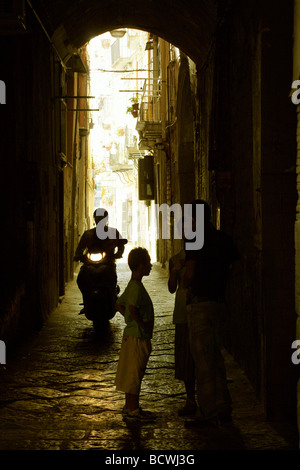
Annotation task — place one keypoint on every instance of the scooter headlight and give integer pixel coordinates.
(96, 257)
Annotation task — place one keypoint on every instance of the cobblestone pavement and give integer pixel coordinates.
(57, 392)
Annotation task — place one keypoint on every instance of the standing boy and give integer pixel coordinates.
(137, 308)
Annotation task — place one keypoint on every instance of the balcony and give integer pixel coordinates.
(120, 54)
(149, 122)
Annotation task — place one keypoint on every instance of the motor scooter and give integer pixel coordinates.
(97, 280)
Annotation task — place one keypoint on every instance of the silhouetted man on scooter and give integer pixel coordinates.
(109, 244)
(101, 238)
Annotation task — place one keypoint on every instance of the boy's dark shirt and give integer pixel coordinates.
(212, 265)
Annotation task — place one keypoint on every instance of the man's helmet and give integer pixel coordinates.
(100, 214)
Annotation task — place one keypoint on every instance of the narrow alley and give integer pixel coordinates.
(57, 392)
(140, 108)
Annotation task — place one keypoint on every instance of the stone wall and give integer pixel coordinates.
(36, 183)
(246, 170)
(296, 76)
(29, 185)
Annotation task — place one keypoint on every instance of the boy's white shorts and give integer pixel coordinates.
(134, 355)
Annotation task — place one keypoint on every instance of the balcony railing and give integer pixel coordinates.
(149, 121)
(150, 101)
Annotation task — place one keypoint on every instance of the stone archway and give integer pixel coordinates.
(70, 24)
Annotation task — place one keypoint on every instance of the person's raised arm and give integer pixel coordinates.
(173, 275)
(189, 273)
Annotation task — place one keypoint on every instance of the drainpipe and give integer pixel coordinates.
(163, 159)
(46, 33)
(164, 50)
(74, 182)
